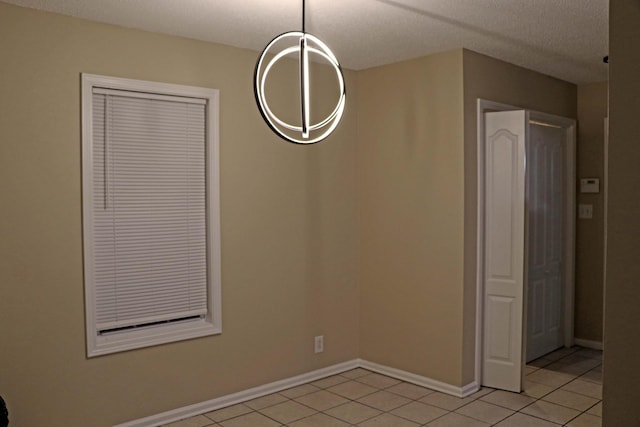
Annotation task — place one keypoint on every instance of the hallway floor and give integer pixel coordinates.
(563, 388)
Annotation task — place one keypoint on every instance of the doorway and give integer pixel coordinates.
(526, 206)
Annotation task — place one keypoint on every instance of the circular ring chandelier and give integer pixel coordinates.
(304, 44)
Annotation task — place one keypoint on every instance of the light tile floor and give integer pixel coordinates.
(563, 388)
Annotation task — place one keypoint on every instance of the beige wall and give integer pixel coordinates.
(622, 294)
(288, 233)
(410, 150)
(418, 202)
(498, 81)
(592, 109)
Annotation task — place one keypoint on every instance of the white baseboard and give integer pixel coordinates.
(420, 380)
(274, 387)
(596, 345)
(242, 396)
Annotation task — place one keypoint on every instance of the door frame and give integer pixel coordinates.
(484, 106)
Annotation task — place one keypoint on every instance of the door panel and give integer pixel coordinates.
(545, 197)
(505, 141)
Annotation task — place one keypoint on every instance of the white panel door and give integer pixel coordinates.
(504, 238)
(545, 273)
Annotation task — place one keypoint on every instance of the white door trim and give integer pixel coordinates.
(484, 106)
(605, 193)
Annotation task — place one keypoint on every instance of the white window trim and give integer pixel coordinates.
(212, 323)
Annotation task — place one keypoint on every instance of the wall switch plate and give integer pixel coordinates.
(585, 211)
(319, 344)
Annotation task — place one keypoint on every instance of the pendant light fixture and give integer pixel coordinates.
(306, 45)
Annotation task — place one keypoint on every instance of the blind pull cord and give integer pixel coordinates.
(107, 146)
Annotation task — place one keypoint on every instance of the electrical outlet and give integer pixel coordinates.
(319, 344)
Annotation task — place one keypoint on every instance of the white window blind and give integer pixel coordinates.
(149, 209)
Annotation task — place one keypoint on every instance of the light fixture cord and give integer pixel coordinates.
(303, 17)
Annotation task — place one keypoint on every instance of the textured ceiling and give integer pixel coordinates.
(562, 38)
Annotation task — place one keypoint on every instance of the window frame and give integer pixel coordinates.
(211, 324)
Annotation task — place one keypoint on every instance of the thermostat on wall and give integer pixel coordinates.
(589, 185)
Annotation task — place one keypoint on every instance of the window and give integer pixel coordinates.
(150, 213)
